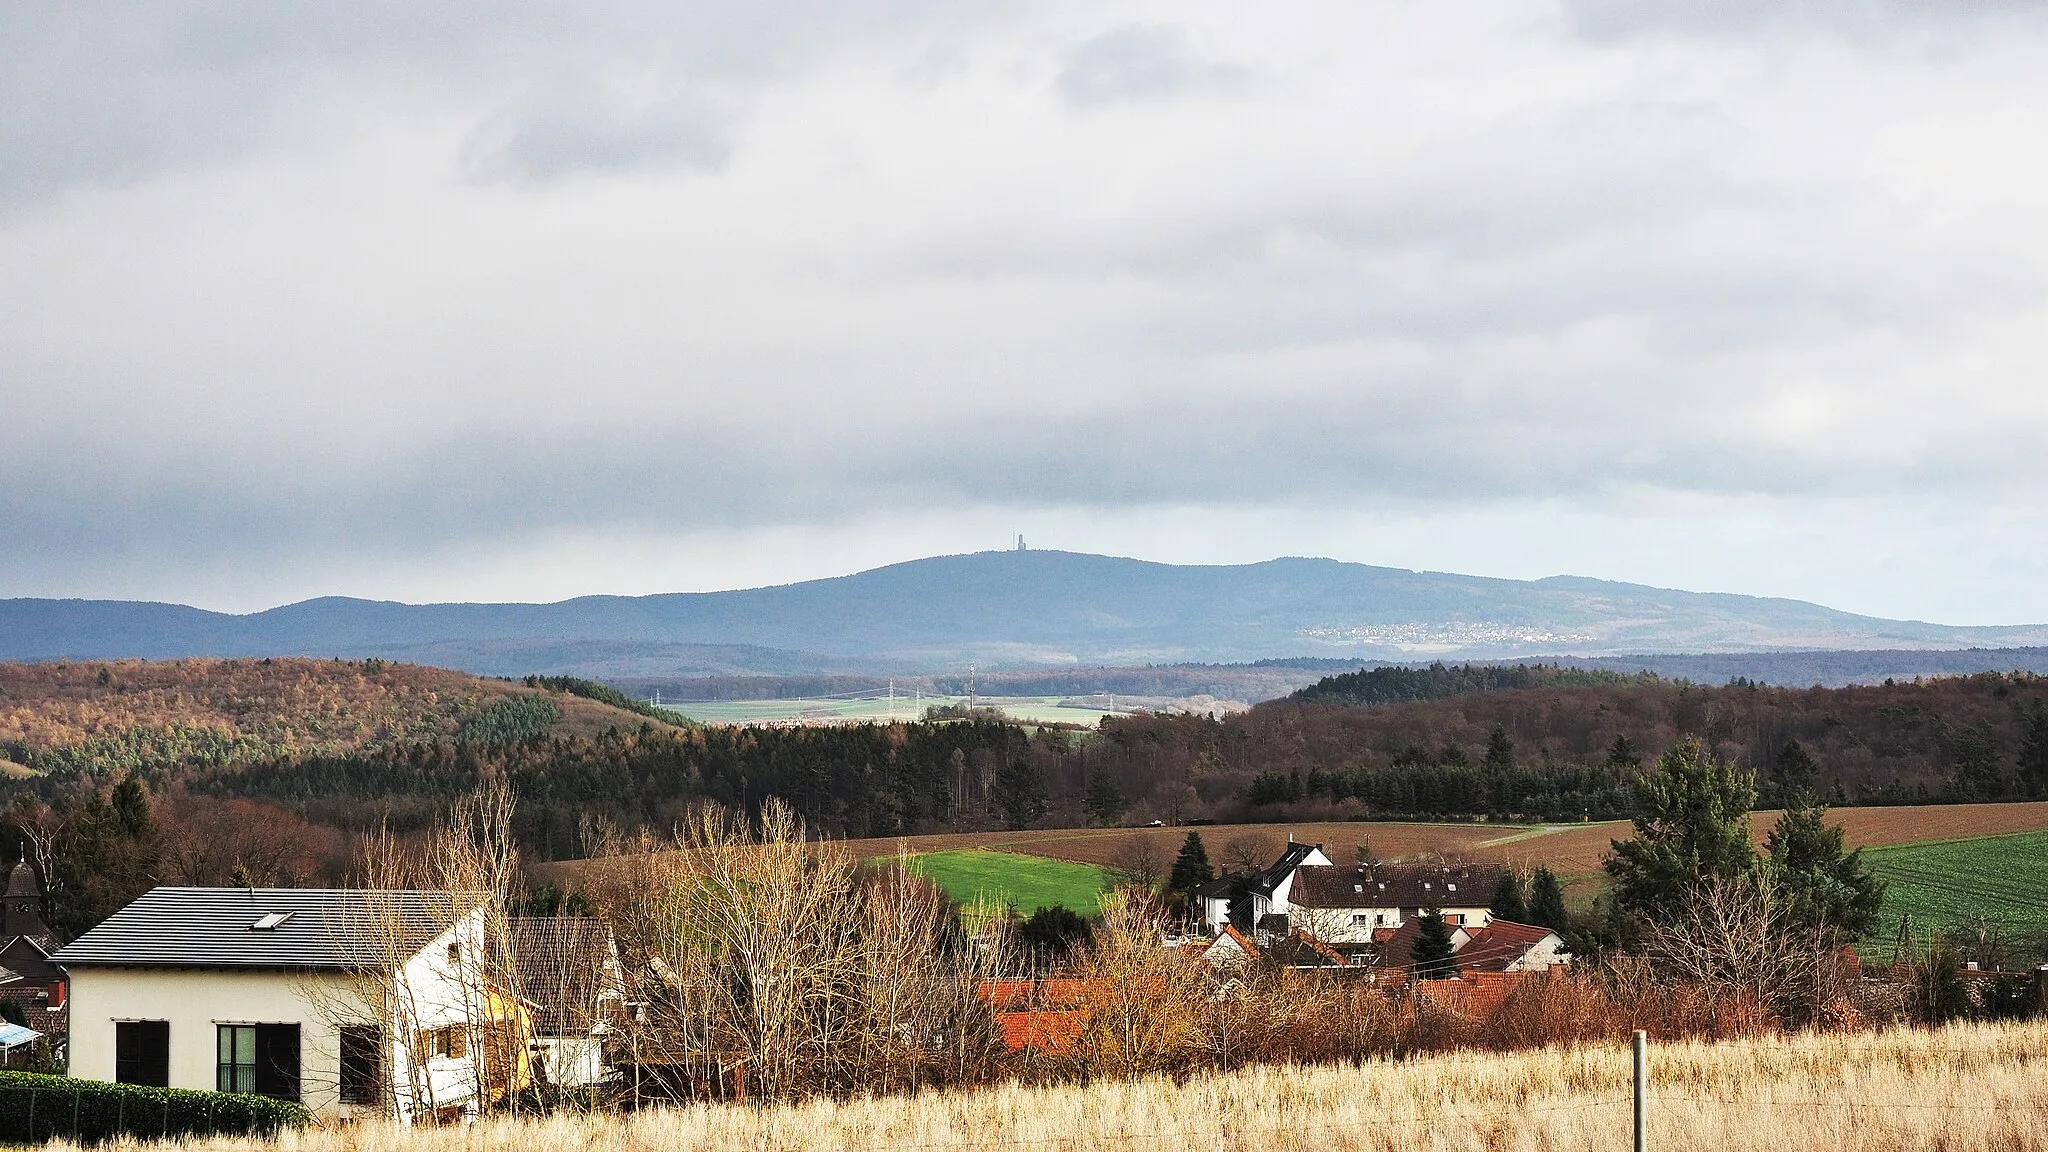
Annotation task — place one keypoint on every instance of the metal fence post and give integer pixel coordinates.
(1642, 1047)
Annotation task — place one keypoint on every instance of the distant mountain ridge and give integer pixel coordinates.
(998, 608)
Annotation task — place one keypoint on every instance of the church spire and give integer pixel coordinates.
(22, 914)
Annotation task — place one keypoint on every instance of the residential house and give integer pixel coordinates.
(1267, 890)
(1497, 946)
(357, 1003)
(1345, 906)
(29, 980)
(573, 984)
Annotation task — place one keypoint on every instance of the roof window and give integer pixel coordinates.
(1452, 887)
(270, 921)
(1358, 887)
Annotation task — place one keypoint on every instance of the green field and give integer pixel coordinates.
(1039, 709)
(1950, 883)
(1024, 882)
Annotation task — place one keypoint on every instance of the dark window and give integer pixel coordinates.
(142, 1052)
(362, 1064)
(259, 1058)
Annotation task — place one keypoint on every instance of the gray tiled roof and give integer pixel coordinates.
(1397, 886)
(212, 928)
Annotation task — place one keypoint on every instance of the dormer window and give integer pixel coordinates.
(270, 921)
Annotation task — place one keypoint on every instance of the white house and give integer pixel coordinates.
(1353, 904)
(1268, 889)
(357, 1003)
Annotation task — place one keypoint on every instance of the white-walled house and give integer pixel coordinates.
(1268, 889)
(1352, 904)
(357, 1003)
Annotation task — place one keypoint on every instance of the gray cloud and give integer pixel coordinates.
(1611, 19)
(1138, 62)
(557, 133)
(850, 261)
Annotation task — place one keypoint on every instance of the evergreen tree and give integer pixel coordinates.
(1508, 903)
(1826, 888)
(1239, 910)
(1691, 825)
(1546, 901)
(2033, 764)
(1052, 934)
(1623, 759)
(1794, 772)
(1435, 958)
(1500, 751)
(1020, 793)
(1975, 772)
(1366, 856)
(1104, 800)
(1191, 869)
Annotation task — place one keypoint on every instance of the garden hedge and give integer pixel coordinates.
(36, 1108)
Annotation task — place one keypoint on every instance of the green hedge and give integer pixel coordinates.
(35, 1109)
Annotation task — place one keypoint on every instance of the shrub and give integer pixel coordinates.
(35, 1109)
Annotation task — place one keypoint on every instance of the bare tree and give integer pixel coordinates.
(1139, 862)
(1143, 1001)
(1248, 852)
(1739, 940)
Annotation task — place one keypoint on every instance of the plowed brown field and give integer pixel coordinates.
(1572, 850)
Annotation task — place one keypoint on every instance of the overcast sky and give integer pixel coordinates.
(524, 301)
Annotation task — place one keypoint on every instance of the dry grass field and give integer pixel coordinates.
(1959, 1088)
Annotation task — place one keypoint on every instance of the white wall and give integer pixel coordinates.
(195, 1002)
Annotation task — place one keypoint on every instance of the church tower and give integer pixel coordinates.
(23, 915)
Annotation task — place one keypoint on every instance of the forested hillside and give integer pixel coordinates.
(134, 715)
(266, 772)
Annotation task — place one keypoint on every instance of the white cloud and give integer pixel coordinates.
(398, 302)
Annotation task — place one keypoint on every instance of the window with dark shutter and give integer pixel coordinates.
(142, 1052)
(362, 1064)
(277, 1061)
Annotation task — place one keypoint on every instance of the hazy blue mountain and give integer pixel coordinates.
(1003, 608)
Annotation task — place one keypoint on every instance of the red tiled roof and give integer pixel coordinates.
(1476, 995)
(1243, 941)
(1498, 945)
(1040, 1031)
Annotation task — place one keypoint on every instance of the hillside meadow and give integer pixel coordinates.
(1963, 1087)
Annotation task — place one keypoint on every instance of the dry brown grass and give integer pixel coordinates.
(1967, 1087)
